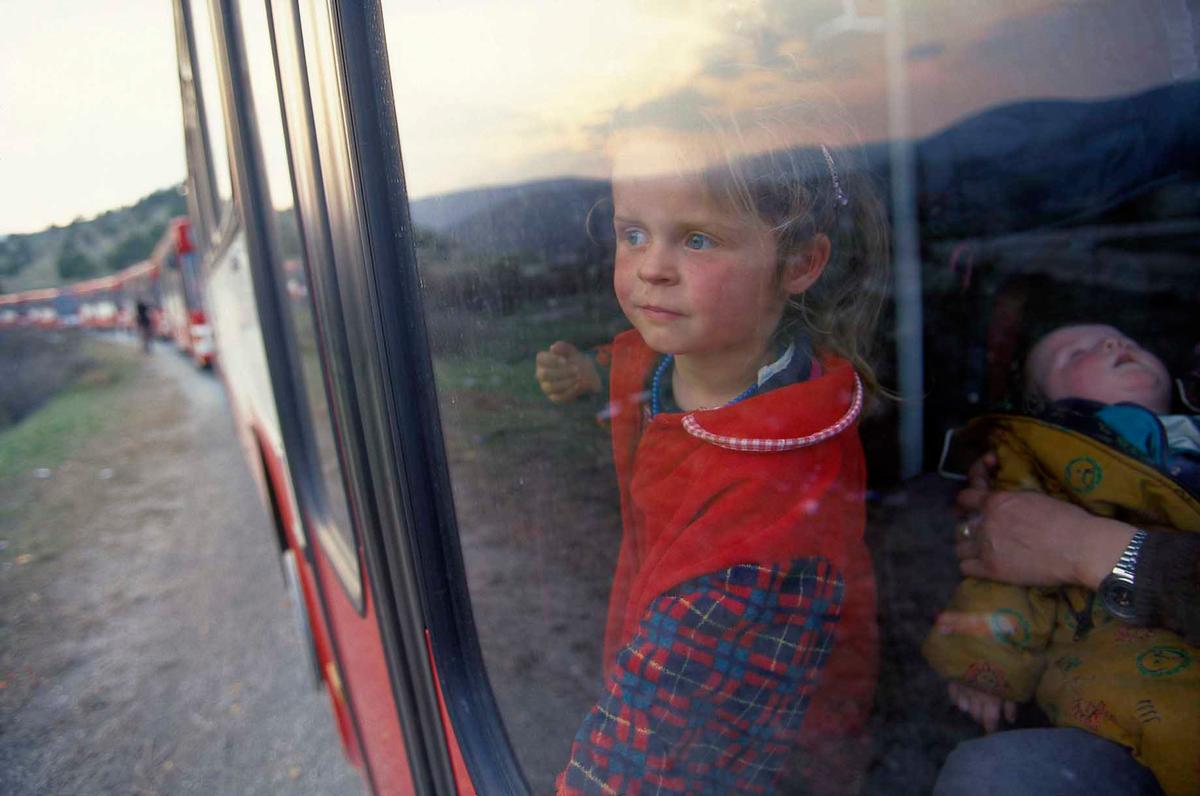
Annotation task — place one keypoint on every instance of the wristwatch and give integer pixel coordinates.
(1116, 590)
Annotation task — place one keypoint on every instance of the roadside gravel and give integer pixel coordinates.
(146, 641)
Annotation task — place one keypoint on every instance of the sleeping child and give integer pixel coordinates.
(1101, 438)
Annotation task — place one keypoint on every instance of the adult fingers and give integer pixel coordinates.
(971, 499)
(968, 534)
(563, 349)
(979, 474)
(966, 549)
(974, 568)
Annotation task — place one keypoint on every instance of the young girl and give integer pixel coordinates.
(741, 643)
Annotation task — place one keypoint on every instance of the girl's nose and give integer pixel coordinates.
(657, 266)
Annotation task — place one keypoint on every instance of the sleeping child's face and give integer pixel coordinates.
(1098, 363)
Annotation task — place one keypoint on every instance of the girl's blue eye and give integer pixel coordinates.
(634, 237)
(699, 241)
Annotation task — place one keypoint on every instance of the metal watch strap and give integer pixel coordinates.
(1127, 564)
(1116, 590)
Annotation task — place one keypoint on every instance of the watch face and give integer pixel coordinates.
(1117, 597)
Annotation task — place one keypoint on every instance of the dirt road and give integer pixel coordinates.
(146, 642)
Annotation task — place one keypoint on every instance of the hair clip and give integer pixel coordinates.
(833, 175)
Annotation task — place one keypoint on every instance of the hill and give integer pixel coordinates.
(87, 247)
(1062, 163)
(1010, 168)
(542, 220)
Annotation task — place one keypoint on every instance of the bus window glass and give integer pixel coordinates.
(210, 87)
(334, 528)
(1031, 164)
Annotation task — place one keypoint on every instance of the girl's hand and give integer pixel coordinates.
(985, 708)
(564, 373)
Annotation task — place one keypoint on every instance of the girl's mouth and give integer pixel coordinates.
(655, 313)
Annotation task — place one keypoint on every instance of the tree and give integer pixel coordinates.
(73, 264)
(14, 254)
(134, 248)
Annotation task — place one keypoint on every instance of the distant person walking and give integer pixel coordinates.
(143, 323)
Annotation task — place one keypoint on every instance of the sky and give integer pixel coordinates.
(496, 91)
(89, 108)
(534, 93)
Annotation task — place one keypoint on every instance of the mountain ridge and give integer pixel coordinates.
(85, 248)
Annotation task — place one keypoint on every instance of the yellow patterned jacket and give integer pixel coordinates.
(1137, 686)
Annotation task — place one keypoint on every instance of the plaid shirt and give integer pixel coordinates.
(709, 696)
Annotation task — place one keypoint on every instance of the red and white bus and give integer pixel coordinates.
(448, 536)
(181, 317)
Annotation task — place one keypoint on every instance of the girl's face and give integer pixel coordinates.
(695, 279)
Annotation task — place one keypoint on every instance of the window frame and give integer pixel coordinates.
(220, 221)
(437, 582)
(309, 480)
(330, 107)
(197, 151)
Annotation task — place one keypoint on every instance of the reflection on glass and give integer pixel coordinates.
(292, 272)
(1052, 182)
(214, 115)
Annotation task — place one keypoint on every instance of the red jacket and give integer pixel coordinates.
(772, 479)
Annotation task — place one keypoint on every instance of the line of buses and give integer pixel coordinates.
(167, 282)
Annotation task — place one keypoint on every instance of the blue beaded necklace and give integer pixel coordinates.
(664, 365)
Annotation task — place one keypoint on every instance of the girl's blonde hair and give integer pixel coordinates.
(771, 164)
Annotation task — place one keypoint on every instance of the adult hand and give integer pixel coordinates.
(1030, 539)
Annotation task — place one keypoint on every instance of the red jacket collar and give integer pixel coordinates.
(782, 419)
